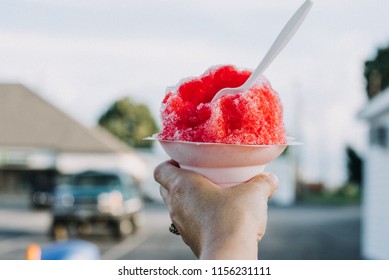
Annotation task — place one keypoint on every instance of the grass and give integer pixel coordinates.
(347, 195)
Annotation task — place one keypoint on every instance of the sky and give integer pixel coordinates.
(82, 55)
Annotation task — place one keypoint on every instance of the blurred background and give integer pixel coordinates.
(81, 83)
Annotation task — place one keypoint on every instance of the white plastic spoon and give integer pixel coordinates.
(281, 41)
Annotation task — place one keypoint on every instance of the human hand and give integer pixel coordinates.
(215, 222)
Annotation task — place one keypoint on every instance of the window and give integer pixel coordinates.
(379, 136)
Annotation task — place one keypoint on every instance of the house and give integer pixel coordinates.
(375, 221)
(39, 141)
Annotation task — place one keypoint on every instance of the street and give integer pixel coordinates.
(297, 232)
(20, 226)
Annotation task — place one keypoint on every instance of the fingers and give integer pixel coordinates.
(165, 172)
(267, 182)
(164, 194)
(169, 176)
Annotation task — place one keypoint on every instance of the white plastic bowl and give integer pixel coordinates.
(224, 164)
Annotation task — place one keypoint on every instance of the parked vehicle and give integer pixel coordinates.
(42, 184)
(63, 250)
(94, 197)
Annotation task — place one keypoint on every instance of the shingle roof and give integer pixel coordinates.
(27, 120)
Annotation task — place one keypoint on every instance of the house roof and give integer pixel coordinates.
(378, 105)
(27, 120)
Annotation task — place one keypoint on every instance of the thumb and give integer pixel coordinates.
(267, 183)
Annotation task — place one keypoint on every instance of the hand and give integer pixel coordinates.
(215, 222)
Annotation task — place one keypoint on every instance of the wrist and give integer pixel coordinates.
(237, 243)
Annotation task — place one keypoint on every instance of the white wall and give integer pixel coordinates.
(126, 162)
(375, 219)
(150, 186)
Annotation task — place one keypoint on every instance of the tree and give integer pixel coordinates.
(130, 122)
(376, 72)
(354, 167)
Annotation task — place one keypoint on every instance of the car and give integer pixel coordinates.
(92, 198)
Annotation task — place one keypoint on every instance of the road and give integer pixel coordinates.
(309, 232)
(20, 226)
(297, 232)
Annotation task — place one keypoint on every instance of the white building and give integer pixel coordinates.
(284, 167)
(38, 141)
(375, 219)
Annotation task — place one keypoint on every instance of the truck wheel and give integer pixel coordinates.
(123, 227)
(60, 231)
(137, 221)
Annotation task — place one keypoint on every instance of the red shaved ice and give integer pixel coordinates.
(251, 117)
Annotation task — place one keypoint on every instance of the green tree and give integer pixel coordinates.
(130, 122)
(376, 72)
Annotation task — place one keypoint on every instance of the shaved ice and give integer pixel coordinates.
(251, 117)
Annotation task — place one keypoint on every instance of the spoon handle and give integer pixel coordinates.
(281, 41)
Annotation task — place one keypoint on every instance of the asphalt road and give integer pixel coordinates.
(299, 232)
(308, 232)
